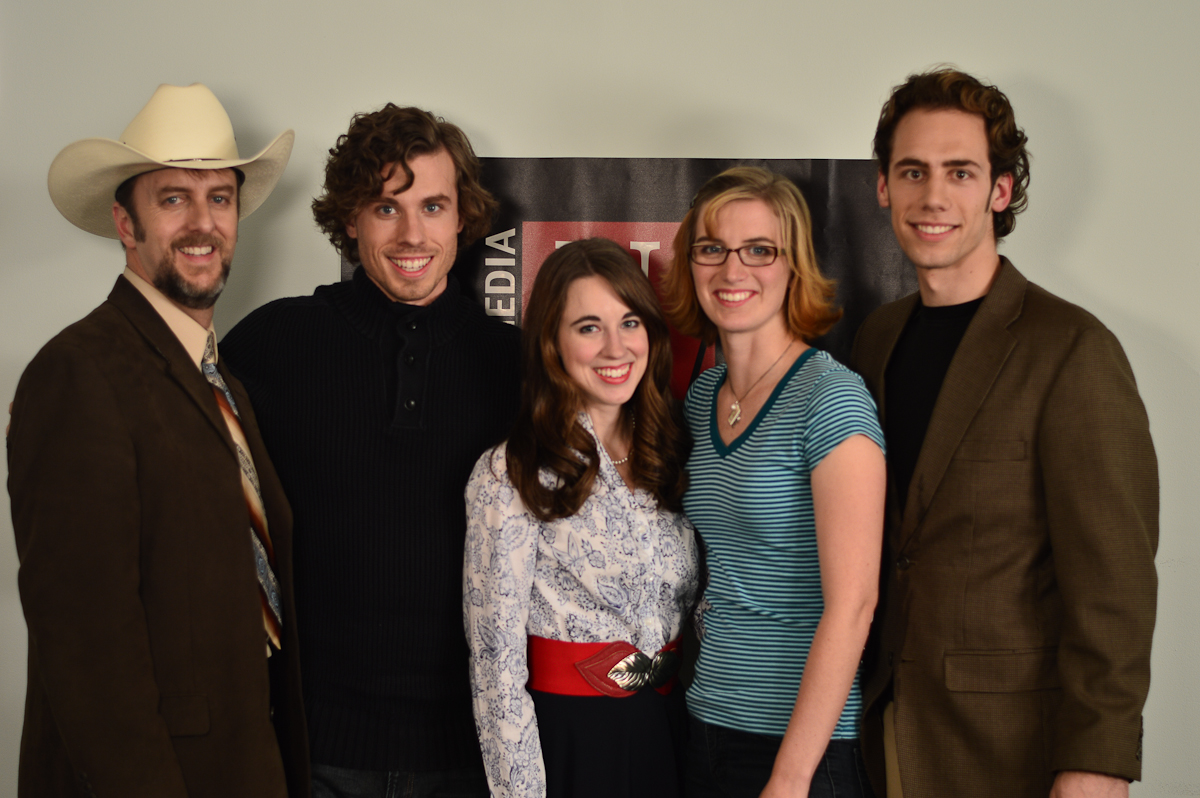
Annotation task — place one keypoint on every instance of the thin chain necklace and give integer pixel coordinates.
(735, 409)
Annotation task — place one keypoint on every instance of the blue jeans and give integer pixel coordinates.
(333, 782)
(726, 763)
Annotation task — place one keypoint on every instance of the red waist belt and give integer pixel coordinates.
(613, 669)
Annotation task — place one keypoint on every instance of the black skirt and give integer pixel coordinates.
(602, 747)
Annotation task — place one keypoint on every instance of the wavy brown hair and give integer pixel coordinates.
(948, 89)
(547, 433)
(808, 306)
(354, 173)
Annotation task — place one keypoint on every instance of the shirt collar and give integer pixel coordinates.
(370, 311)
(186, 329)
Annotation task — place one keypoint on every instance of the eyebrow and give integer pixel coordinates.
(165, 190)
(952, 164)
(435, 198)
(755, 240)
(597, 318)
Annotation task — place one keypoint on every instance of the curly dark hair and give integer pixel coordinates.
(354, 173)
(948, 88)
(547, 433)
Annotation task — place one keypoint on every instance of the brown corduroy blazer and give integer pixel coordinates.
(1019, 585)
(147, 672)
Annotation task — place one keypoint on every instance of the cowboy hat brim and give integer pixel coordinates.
(85, 176)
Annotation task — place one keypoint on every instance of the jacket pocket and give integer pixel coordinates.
(991, 451)
(186, 715)
(1002, 671)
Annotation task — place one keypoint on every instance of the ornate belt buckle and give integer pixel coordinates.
(620, 670)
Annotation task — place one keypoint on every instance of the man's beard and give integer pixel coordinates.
(170, 282)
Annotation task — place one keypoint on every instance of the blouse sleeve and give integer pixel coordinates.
(501, 552)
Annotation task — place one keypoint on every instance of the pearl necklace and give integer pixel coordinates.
(625, 459)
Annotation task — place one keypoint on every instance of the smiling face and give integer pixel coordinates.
(735, 297)
(940, 192)
(408, 238)
(184, 235)
(603, 345)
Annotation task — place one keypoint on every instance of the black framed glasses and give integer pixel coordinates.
(750, 255)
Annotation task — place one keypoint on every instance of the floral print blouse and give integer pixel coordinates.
(619, 569)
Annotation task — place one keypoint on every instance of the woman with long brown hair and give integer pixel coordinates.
(579, 565)
(787, 489)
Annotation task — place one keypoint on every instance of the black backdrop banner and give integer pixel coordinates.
(639, 202)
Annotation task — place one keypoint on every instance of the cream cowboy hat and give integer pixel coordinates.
(182, 127)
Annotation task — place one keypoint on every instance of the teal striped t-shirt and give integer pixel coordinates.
(751, 502)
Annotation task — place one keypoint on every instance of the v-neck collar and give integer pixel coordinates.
(719, 446)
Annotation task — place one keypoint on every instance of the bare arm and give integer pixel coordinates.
(1082, 784)
(848, 494)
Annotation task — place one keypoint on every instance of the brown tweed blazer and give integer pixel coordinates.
(147, 672)
(1019, 584)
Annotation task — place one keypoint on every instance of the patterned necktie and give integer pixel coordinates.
(264, 554)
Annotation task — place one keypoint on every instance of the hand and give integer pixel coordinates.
(779, 787)
(1084, 784)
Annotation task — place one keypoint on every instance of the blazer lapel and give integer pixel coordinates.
(980, 356)
(892, 319)
(178, 366)
(873, 360)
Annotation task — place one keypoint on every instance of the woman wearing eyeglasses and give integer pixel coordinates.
(580, 568)
(787, 483)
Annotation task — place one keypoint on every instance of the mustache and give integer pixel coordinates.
(198, 240)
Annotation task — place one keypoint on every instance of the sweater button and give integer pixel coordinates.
(410, 359)
(903, 563)
(410, 404)
(412, 325)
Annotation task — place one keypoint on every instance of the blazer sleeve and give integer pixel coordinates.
(1100, 477)
(74, 489)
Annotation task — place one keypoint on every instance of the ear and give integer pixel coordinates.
(881, 191)
(1002, 192)
(124, 225)
(352, 227)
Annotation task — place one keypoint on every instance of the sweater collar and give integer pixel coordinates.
(370, 311)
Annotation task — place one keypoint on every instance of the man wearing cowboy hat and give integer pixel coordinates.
(153, 534)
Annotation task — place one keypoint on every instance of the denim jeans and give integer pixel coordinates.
(334, 782)
(726, 763)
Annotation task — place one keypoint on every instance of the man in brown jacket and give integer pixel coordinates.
(153, 535)
(1011, 655)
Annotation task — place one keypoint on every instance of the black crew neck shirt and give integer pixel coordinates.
(913, 380)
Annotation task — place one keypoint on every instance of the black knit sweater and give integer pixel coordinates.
(374, 413)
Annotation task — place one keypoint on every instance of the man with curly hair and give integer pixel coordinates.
(1011, 654)
(376, 396)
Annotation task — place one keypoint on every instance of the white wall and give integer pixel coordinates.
(1107, 94)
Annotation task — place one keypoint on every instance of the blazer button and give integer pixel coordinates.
(410, 359)
(903, 563)
(412, 325)
(410, 404)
